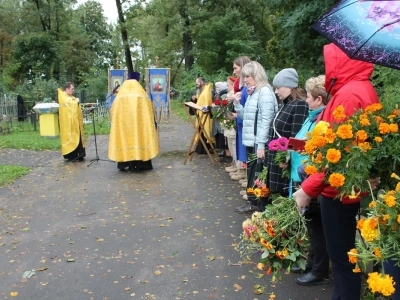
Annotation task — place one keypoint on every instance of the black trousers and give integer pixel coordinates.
(317, 258)
(339, 223)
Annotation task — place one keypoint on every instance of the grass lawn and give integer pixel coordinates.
(10, 173)
(29, 140)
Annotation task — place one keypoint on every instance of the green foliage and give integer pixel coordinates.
(9, 173)
(38, 91)
(35, 53)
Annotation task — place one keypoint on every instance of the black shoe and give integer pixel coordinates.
(311, 279)
(247, 208)
(226, 159)
(240, 207)
(297, 270)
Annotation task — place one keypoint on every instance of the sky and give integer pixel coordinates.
(109, 8)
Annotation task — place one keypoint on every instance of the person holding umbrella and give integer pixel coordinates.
(347, 81)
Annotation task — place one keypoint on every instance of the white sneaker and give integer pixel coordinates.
(230, 169)
(245, 197)
(238, 176)
(244, 184)
(242, 180)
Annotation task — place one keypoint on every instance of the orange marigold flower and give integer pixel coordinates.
(318, 158)
(390, 200)
(361, 135)
(338, 114)
(266, 244)
(377, 252)
(310, 147)
(333, 155)
(364, 121)
(336, 180)
(264, 191)
(398, 219)
(373, 107)
(397, 187)
(260, 266)
(357, 270)
(394, 128)
(365, 146)
(250, 191)
(319, 141)
(384, 128)
(360, 223)
(372, 223)
(345, 131)
(269, 271)
(330, 136)
(309, 169)
(379, 119)
(378, 139)
(372, 204)
(257, 192)
(353, 255)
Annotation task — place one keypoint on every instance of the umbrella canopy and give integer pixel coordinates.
(364, 30)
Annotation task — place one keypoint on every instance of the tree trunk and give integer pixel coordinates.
(124, 35)
(187, 39)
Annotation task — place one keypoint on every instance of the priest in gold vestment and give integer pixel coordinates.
(71, 124)
(204, 99)
(133, 135)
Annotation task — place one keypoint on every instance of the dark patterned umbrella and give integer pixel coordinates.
(364, 30)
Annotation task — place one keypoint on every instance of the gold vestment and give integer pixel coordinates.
(71, 122)
(133, 135)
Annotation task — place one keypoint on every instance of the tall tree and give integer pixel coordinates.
(124, 36)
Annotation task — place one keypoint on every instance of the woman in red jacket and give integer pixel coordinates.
(348, 81)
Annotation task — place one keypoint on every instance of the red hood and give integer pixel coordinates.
(338, 65)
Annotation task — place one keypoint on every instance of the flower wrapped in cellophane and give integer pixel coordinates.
(278, 236)
(259, 187)
(365, 145)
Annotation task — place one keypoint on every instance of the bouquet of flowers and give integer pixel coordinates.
(381, 239)
(278, 235)
(259, 189)
(355, 149)
(282, 155)
(220, 110)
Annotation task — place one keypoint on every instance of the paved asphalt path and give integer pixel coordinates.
(93, 232)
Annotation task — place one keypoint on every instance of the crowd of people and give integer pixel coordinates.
(264, 112)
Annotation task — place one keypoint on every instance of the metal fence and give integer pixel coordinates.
(10, 121)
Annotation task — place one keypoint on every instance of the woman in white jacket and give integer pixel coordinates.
(261, 104)
(257, 113)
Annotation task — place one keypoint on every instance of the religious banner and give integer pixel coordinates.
(157, 87)
(115, 80)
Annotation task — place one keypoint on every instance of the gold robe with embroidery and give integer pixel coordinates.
(205, 99)
(71, 122)
(133, 134)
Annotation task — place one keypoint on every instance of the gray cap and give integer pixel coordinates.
(286, 78)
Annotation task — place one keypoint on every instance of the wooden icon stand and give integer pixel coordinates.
(199, 133)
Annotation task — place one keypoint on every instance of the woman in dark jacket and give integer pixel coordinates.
(293, 110)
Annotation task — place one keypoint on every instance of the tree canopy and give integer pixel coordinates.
(60, 40)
